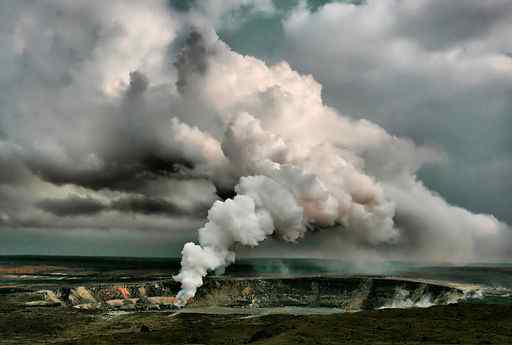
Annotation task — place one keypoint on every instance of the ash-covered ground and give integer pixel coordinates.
(56, 300)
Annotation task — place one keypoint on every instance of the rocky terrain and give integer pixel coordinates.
(345, 294)
(96, 306)
(450, 324)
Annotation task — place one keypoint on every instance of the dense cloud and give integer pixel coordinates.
(438, 72)
(76, 205)
(135, 117)
(71, 206)
(354, 157)
(89, 137)
(440, 25)
(150, 206)
(78, 134)
(326, 170)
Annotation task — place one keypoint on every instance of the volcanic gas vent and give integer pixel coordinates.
(136, 296)
(341, 293)
(348, 294)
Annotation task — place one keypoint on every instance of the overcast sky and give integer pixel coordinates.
(113, 117)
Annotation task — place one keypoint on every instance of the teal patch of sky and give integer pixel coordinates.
(257, 34)
(262, 34)
(107, 242)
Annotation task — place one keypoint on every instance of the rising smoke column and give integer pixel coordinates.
(301, 165)
(260, 206)
(281, 195)
(99, 131)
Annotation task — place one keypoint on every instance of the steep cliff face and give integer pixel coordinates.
(347, 294)
(133, 296)
(350, 294)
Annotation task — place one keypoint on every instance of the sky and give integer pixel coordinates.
(386, 124)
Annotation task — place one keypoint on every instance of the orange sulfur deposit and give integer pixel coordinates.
(123, 291)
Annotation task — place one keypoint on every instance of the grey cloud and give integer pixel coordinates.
(192, 59)
(12, 169)
(149, 205)
(127, 175)
(75, 205)
(434, 71)
(86, 108)
(71, 206)
(437, 24)
(138, 84)
(127, 148)
(105, 113)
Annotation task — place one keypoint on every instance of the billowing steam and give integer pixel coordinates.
(301, 165)
(136, 118)
(283, 193)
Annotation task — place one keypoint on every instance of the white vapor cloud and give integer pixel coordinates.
(131, 116)
(348, 175)
(434, 71)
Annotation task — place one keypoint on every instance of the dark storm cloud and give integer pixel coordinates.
(72, 206)
(138, 84)
(122, 175)
(136, 204)
(149, 205)
(12, 169)
(192, 59)
(86, 109)
(127, 148)
(225, 192)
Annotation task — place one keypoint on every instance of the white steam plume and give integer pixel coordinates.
(86, 140)
(260, 206)
(302, 165)
(285, 195)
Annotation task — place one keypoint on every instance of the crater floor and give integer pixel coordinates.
(46, 306)
(223, 295)
(448, 324)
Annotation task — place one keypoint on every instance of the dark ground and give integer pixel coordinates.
(452, 324)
